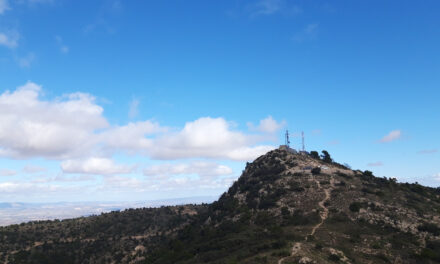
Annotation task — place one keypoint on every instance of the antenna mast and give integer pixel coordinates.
(303, 147)
(287, 138)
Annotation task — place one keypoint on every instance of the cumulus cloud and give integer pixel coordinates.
(437, 176)
(10, 39)
(132, 137)
(73, 127)
(30, 127)
(375, 164)
(393, 135)
(99, 166)
(208, 137)
(200, 168)
(7, 172)
(4, 5)
(268, 125)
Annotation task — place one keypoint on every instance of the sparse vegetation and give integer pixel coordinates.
(272, 206)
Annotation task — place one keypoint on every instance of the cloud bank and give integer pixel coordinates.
(100, 166)
(73, 128)
(203, 169)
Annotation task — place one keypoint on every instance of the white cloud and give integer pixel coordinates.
(437, 176)
(131, 137)
(73, 127)
(248, 153)
(9, 40)
(268, 125)
(165, 183)
(7, 172)
(210, 138)
(200, 168)
(25, 62)
(134, 108)
(393, 135)
(65, 178)
(4, 6)
(21, 187)
(98, 166)
(30, 127)
(120, 183)
(375, 164)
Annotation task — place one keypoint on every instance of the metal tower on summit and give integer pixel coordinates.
(303, 147)
(287, 138)
(286, 145)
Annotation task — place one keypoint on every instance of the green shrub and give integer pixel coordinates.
(314, 154)
(334, 257)
(316, 171)
(431, 228)
(355, 207)
(326, 157)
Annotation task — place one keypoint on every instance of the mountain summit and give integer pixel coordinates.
(286, 207)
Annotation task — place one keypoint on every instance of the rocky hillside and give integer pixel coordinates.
(116, 237)
(285, 208)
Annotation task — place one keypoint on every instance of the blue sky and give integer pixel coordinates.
(140, 100)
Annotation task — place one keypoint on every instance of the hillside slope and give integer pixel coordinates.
(116, 237)
(285, 208)
(280, 212)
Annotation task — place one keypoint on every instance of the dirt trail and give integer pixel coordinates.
(323, 215)
(294, 251)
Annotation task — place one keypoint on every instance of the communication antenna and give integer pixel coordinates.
(287, 138)
(303, 147)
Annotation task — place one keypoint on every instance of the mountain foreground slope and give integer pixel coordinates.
(285, 208)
